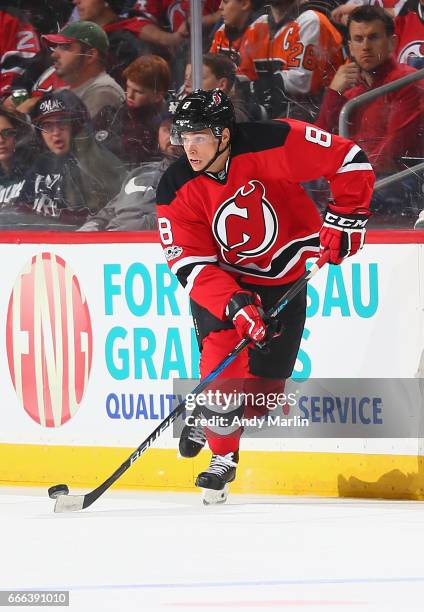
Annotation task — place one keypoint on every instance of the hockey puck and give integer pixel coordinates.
(60, 489)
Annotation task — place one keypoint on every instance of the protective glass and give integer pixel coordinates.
(187, 139)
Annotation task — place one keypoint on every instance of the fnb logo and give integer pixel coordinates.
(49, 340)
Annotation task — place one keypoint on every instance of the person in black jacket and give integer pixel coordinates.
(74, 177)
(134, 208)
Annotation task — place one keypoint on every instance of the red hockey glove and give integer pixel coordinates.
(342, 236)
(245, 311)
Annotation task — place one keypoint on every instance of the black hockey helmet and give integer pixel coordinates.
(201, 110)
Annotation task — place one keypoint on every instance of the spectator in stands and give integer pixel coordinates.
(388, 127)
(45, 15)
(288, 56)
(16, 153)
(237, 15)
(132, 133)
(45, 20)
(341, 13)
(153, 20)
(134, 208)
(219, 71)
(123, 34)
(79, 56)
(178, 12)
(19, 44)
(73, 177)
(409, 30)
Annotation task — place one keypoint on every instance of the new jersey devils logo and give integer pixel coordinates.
(413, 54)
(245, 225)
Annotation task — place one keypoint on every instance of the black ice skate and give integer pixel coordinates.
(192, 440)
(215, 480)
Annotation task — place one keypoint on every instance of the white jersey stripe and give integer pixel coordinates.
(353, 151)
(354, 167)
(293, 261)
(185, 261)
(191, 278)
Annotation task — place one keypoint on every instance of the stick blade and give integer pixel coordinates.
(69, 503)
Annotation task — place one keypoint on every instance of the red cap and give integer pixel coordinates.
(58, 39)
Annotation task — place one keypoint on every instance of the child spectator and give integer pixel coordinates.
(132, 133)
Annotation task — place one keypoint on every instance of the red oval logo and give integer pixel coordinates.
(49, 340)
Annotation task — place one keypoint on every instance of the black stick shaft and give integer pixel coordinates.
(91, 497)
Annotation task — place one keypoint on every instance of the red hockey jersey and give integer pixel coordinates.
(18, 45)
(409, 30)
(259, 226)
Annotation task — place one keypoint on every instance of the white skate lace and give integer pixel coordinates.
(221, 464)
(196, 435)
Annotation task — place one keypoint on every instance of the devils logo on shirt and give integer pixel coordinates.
(246, 224)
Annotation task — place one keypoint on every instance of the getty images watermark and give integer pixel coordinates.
(226, 405)
(313, 408)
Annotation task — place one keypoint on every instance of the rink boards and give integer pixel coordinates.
(95, 329)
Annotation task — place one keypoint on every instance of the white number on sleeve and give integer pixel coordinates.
(317, 136)
(165, 230)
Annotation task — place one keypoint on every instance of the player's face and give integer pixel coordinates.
(138, 96)
(57, 135)
(68, 59)
(369, 44)
(7, 141)
(90, 10)
(233, 12)
(200, 147)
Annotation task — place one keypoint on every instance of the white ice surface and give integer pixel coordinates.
(162, 551)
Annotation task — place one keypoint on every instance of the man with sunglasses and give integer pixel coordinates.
(237, 228)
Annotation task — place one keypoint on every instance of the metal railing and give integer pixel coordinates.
(367, 97)
(196, 43)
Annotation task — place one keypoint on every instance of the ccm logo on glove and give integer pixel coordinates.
(342, 236)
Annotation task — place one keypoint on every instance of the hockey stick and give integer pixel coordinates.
(71, 503)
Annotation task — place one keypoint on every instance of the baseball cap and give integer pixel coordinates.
(86, 32)
(60, 104)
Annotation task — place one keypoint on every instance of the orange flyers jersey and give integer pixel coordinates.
(222, 44)
(307, 51)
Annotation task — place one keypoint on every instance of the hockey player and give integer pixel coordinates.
(237, 228)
